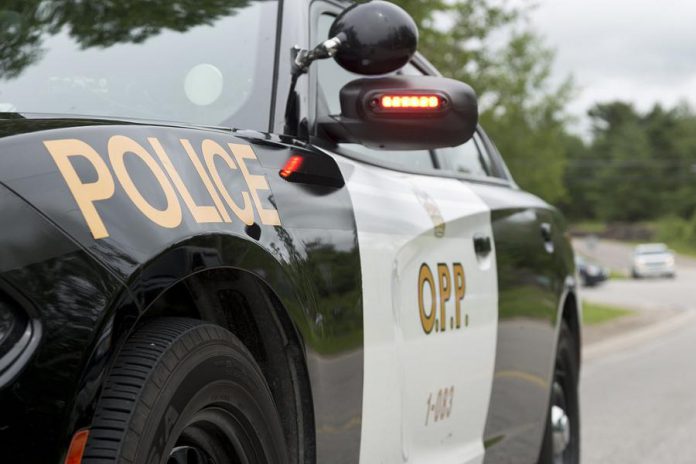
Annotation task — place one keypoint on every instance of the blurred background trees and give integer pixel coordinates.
(632, 167)
(639, 167)
(490, 45)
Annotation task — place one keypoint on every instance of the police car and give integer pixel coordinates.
(267, 232)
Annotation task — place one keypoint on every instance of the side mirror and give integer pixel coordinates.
(371, 38)
(404, 113)
(376, 37)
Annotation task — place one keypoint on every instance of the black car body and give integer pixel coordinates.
(591, 274)
(113, 217)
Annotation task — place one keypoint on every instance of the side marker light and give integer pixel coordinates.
(77, 447)
(292, 165)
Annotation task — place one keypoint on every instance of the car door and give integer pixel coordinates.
(429, 290)
(530, 287)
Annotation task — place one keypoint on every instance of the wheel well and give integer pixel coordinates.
(244, 305)
(571, 316)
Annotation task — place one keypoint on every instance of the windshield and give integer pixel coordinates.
(202, 62)
(652, 252)
(658, 249)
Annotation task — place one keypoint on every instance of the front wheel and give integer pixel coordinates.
(185, 392)
(561, 443)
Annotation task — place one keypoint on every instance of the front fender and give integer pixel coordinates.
(154, 204)
(66, 291)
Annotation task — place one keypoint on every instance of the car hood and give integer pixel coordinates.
(24, 123)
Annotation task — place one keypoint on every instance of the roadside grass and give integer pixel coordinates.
(594, 314)
(683, 248)
(617, 275)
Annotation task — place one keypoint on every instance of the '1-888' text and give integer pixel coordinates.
(439, 407)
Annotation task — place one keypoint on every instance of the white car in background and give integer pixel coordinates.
(652, 260)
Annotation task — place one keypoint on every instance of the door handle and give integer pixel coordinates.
(482, 245)
(546, 231)
(547, 235)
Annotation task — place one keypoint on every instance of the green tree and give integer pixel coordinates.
(639, 166)
(578, 178)
(622, 189)
(521, 108)
(527, 116)
(672, 135)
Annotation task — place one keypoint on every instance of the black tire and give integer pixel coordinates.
(565, 378)
(185, 391)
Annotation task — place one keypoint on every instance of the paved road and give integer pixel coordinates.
(639, 401)
(639, 404)
(678, 293)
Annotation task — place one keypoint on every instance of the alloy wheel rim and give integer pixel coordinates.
(560, 422)
(215, 435)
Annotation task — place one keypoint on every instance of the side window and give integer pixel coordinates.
(470, 159)
(331, 78)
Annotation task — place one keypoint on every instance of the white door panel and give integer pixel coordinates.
(400, 221)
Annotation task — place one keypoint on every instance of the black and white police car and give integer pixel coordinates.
(267, 232)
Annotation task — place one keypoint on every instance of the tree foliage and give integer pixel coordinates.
(639, 166)
(490, 45)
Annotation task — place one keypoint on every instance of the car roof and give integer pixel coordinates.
(651, 247)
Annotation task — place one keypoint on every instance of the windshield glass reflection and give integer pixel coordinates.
(197, 62)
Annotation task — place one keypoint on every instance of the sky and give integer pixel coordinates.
(643, 51)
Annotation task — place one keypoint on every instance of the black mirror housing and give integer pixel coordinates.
(376, 37)
(365, 120)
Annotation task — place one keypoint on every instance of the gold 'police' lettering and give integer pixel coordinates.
(205, 178)
(212, 149)
(88, 195)
(447, 281)
(202, 214)
(255, 183)
(170, 216)
(85, 193)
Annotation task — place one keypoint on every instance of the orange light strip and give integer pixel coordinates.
(410, 101)
(292, 165)
(77, 447)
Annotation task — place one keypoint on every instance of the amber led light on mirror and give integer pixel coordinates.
(411, 103)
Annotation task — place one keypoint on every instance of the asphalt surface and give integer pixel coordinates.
(678, 293)
(638, 398)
